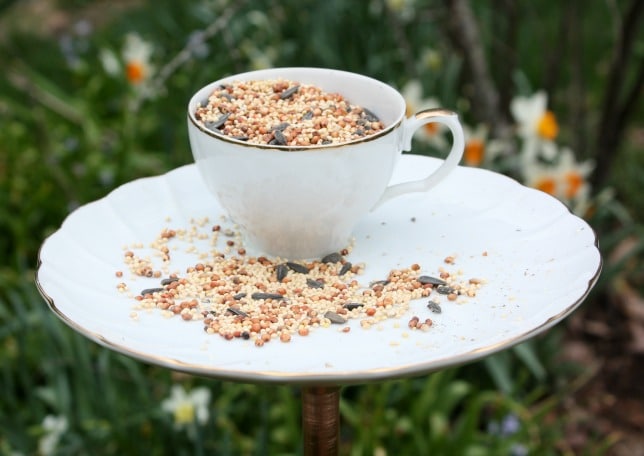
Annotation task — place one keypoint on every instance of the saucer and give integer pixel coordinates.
(536, 259)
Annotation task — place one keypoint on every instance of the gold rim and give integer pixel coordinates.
(238, 142)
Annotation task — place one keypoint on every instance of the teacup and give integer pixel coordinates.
(304, 202)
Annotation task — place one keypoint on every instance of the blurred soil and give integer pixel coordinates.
(607, 337)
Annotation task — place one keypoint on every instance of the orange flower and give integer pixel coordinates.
(136, 54)
(474, 152)
(135, 72)
(546, 184)
(547, 126)
(573, 183)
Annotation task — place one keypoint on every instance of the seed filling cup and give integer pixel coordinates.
(302, 202)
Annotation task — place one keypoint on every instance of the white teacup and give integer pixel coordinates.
(303, 202)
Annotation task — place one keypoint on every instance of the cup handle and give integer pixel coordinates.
(409, 126)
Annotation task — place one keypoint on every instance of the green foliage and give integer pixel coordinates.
(70, 131)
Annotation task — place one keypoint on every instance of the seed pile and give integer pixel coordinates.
(284, 113)
(260, 299)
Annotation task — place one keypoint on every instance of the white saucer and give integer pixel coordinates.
(539, 262)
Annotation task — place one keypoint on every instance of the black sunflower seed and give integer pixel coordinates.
(266, 296)
(296, 267)
(280, 139)
(151, 290)
(289, 92)
(332, 258)
(281, 270)
(425, 280)
(280, 127)
(217, 124)
(169, 280)
(239, 296)
(308, 115)
(238, 312)
(346, 267)
(240, 138)
(378, 282)
(434, 307)
(335, 318)
(370, 116)
(352, 305)
(314, 283)
(445, 289)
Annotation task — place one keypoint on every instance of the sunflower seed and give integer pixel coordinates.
(332, 258)
(281, 270)
(370, 116)
(266, 296)
(296, 267)
(280, 127)
(289, 92)
(217, 124)
(238, 312)
(434, 307)
(378, 282)
(239, 296)
(314, 283)
(352, 305)
(151, 290)
(335, 318)
(346, 267)
(445, 289)
(280, 139)
(169, 280)
(429, 280)
(308, 115)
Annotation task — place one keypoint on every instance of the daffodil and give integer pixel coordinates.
(187, 407)
(533, 118)
(565, 179)
(475, 145)
(136, 56)
(431, 133)
(54, 427)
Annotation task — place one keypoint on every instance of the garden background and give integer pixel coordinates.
(92, 95)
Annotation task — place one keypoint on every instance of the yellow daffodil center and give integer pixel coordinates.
(547, 126)
(474, 152)
(184, 413)
(135, 72)
(574, 181)
(546, 184)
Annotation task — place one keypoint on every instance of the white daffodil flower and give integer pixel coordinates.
(431, 133)
(187, 408)
(136, 55)
(533, 118)
(566, 179)
(54, 427)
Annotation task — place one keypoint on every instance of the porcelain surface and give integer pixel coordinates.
(302, 202)
(538, 260)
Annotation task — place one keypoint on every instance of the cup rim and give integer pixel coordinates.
(196, 98)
